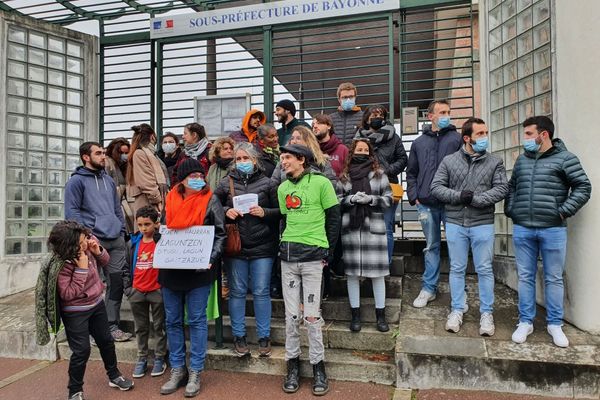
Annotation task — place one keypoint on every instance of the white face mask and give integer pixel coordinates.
(169, 148)
(124, 157)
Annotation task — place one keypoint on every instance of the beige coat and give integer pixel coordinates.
(149, 181)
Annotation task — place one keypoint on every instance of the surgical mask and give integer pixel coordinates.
(245, 167)
(348, 104)
(377, 123)
(480, 145)
(196, 183)
(531, 145)
(443, 122)
(124, 157)
(169, 148)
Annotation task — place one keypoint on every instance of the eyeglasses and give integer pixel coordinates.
(348, 97)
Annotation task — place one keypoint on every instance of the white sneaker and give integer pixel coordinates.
(423, 298)
(523, 330)
(486, 324)
(558, 336)
(454, 321)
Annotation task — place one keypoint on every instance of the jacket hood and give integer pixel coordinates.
(246, 129)
(83, 171)
(427, 130)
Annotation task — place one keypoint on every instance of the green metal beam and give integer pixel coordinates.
(404, 4)
(127, 38)
(81, 11)
(7, 8)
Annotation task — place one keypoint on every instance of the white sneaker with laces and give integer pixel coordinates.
(486, 324)
(558, 336)
(523, 330)
(455, 320)
(423, 298)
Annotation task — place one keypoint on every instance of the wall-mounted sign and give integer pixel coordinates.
(276, 12)
(221, 115)
(410, 120)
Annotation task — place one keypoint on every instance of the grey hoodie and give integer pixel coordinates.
(91, 199)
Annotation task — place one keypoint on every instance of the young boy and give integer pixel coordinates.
(144, 293)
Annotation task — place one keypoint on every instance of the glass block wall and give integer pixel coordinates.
(520, 83)
(44, 128)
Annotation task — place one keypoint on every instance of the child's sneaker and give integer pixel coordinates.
(76, 396)
(121, 383)
(120, 336)
(159, 367)
(141, 366)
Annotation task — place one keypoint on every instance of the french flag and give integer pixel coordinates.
(169, 23)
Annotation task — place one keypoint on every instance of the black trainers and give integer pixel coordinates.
(121, 383)
(240, 347)
(76, 396)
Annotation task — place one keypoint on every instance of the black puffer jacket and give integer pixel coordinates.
(546, 189)
(260, 236)
(388, 149)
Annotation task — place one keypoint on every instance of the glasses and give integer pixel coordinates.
(348, 97)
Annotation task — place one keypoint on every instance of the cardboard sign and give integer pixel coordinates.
(184, 248)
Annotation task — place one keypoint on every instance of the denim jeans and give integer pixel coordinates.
(256, 274)
(552, 244)
(430, 218)
(389, 217)
(481, 241)
(195, 301)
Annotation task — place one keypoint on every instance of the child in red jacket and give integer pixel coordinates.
(82, 309)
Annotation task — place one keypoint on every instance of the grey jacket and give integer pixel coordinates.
(483, 174)
(346, 123)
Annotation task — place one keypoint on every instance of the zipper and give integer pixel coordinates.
(531, 188)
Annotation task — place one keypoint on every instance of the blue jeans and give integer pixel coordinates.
(195, 300)
(552, 243)
(389, 217)
(430, 218)
(481, 241)
(255, 273)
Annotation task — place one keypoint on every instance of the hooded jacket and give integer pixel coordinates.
(346, 123)
(245, 134)
(546, 188)
(337, 153)
(91, 199)
(388, 149)
(426, 154)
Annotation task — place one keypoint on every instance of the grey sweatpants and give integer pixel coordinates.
(114, 279)
(303, 279)
(142, 304)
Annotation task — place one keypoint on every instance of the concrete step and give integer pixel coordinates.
(336, 335)
(347, 365)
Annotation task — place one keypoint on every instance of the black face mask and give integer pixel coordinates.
(377, 123)
(360, 158)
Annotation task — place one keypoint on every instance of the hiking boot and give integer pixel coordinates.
(141, 366)
(523, 330)
(558, 336)
(423, 298)
(486, 324)
(178, 378)
(320, 384)
(355, 321)
(264, 347)
(382, 325)
(240, 347)
(193, 385)
(291, 381)
(121, 383)
(76, 396)
(455, 320)
(120, 336)
(159, 367)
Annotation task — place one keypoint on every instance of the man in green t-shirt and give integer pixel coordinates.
(311, 213)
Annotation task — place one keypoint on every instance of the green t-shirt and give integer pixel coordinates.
(304, 205)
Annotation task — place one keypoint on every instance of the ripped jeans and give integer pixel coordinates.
(430, 218)
(303, 279)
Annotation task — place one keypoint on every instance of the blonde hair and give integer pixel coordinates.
(346, 86)
(311, 142)
(217, 146)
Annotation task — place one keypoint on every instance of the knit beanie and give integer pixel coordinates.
(187, 167)
(287, 105)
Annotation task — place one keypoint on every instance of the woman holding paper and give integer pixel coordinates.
(189, 203)
(249, 199)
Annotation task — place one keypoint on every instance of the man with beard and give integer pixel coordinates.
(329, 142)
(91, 199)
(285, 111)
(249, 132)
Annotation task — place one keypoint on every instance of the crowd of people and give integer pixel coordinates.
(326, 203)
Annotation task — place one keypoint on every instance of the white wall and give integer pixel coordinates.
(576, 108)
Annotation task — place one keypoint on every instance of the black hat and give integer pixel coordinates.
(187, 167)
(287, 105)
(298, 150)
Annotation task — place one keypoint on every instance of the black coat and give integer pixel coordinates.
(259, 235)
(388, 149)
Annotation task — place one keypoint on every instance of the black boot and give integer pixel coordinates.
(320, 384)
(355, 322)
(291, 381)
(382, 325)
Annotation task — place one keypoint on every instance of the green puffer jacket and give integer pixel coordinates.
(546, 189)
(47, 306)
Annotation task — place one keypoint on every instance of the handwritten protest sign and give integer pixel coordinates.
(184, 248)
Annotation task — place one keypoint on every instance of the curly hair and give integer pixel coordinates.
(215, 150)
(344, 176)
(311, 142)
(64, 239)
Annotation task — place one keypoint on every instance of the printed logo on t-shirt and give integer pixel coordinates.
(292, 201)
(145, 260)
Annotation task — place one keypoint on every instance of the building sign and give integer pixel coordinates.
(221, 115)
(277, 12)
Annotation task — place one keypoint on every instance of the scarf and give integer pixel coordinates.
(171, 160)
(359, 176)
(185, 212)
(223, 163)
(195, 150)
(379, 136)
(331, 145)
(273, 153)
(151, 147)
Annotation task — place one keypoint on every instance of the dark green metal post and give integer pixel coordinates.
(159, 87)
(268, 72)
(101, 88)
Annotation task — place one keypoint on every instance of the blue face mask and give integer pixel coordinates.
(531, 145)
(245, 167)
(480, 145)
(443, 122)
(196, 183)
(348, 104)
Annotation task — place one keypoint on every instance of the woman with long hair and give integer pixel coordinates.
(189, 203)
(366, 194)
(196, 146)
(146, 180)
(221, 157)
(169, 151)
(117, 154)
